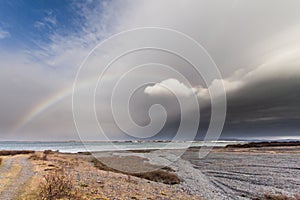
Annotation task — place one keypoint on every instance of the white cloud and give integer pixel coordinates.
(282, 66)
(39, 24)
(51, 20)
(169, 87)
(4, 34)
(48, 21)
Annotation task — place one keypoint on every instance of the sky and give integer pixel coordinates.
(51, 51)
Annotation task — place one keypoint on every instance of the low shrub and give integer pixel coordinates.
(159, 176)
(276, 197)
(57, 185)
(35, 157)
(38, 157)
(264, 144)
(84, 153)
(50, 152)
(156, 175)
(15, 152)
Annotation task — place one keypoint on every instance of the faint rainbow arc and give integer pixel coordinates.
(44, 105)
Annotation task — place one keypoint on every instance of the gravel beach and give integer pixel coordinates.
(249, 175)
(233, 175)
(226, 173)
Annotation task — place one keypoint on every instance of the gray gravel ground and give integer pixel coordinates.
(249, 175)
(193, 180)
(233, 175)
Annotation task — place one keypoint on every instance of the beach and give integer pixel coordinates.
(226, 173)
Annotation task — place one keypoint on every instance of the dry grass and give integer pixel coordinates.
(159, 176)
(50, 152)
(89, 183)
(38, 156)
(12, 153)
(42, 155)
(35, 157)
(156, 175)
(57, 185)
(142, 150)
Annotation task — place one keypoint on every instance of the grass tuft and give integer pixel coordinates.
(38, 157)
(57, 185)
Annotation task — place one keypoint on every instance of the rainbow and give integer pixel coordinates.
(41, 107)
(45, 105)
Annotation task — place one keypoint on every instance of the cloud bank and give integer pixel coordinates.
(256, 47)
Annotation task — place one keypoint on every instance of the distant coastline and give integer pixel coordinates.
(265, 144)
(94, 146)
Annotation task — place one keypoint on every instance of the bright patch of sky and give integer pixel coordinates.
(28, 23)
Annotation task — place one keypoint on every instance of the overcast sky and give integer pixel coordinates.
(255, 45)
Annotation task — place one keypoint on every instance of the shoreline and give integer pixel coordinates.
(71, 147)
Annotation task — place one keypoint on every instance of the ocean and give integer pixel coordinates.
(76, 146)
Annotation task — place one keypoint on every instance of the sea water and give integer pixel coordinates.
(77, 146)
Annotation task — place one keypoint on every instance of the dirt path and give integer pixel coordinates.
(14, 172)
